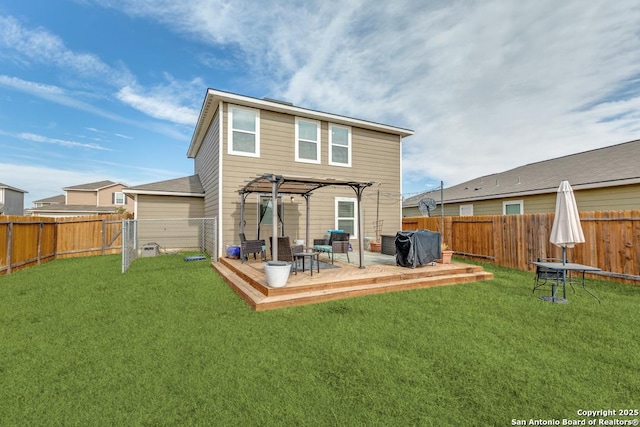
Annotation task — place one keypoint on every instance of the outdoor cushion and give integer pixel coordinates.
(323, 248)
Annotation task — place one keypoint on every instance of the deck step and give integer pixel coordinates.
(250, 286)
(240, 286)
(322, 295)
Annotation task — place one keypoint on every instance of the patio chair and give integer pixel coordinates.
(337, 243)
(545, 276)
(285, 249)
(251, 247)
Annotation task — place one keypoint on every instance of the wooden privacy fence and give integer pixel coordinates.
(612, 239)
(26, 241)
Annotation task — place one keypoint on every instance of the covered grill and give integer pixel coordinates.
(418, 247)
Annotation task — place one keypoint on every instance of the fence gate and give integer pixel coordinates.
(150, 237)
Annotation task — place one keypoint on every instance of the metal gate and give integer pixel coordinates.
(150, 237)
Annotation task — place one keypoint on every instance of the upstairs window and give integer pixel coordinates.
(119, 198)
(244, 131)
(307, 141)
(339, 145)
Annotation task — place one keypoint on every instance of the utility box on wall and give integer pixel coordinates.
(150, 249)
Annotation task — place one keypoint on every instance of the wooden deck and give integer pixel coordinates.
(248, 281)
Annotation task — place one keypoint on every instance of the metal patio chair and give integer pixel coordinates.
(545, 276)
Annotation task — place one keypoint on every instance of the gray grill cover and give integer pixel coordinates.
(419, 247)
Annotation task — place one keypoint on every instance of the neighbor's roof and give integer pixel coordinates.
(93, 186)
(59, 199)
(214, 96)
(186, 186)
(8, 187)
(603, 167)
(73, 209)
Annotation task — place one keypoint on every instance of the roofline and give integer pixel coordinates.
(93, 189)
(44, 209)
(548, 190)
(8, 187)
(209, 107)
(161, 193)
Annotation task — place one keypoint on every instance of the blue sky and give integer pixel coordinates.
(111, 89)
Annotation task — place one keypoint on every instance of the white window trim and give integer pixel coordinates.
(230, 129)
(468, 206)
(355, 215)
(115, 198)
(317, 141)
(513, 202)
(349, 146)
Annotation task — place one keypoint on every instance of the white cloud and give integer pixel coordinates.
(164, 102)
(55, 94)
(89, 72)
(41, 47)
(486, 85)
(61, 142)
(62, 97)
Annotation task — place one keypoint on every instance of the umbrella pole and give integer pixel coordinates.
(564, 273)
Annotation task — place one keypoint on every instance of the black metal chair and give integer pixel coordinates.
(545, 276)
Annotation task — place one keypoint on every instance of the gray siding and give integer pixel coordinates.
(13, 202)
(207, 166)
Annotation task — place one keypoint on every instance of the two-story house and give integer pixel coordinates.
(11, 200)
(94, 198)
(238, 138)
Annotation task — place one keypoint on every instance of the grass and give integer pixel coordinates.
(168, 343)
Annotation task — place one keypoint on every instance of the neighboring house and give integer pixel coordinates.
(603, 179)
(11, 200)
(95, 198)
(49, 201)
(238, 138)
(174, 198)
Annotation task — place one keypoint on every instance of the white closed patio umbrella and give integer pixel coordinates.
(566, 230)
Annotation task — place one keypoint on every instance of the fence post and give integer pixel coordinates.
(41, 225)
(125, 245)
(102, 245)
(215, 239)
(203, 229)
(9, 245)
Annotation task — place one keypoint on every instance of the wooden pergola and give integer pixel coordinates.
(302, 186)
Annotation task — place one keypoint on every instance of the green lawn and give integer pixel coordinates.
(168, 343)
